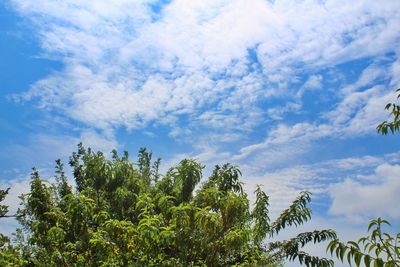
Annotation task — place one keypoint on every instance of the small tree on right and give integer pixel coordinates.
(378, 248)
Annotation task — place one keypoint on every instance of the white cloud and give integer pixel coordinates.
(41, 149)
(378, 197)
(17, 187)
(363, 109)
(277, 113)
(321, 178)
(285, 142)
(126, 65)
(314, 82)
(359, 111)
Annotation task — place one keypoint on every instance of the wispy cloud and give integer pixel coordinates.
(127, 64)
(357, 112)
(374, 196)
(356, 185)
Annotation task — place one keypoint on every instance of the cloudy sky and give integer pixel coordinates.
(289, 90)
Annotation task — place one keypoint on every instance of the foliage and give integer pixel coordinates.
(393, 126)
(9, 254)
(3, 208)
(128, 214)
(3, 211)
(378, 249)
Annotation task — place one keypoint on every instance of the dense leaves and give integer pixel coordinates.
(128, 214)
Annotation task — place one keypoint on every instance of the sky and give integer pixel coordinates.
(291, 91)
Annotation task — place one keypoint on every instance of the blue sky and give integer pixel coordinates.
(291, 91)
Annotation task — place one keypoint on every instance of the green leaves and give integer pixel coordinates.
(3, 208)
(186, 176)
(227, 178)
(291, 248)
(260, 216)
(394, 125)
(127, 214)
(296, 214)
(370, 249)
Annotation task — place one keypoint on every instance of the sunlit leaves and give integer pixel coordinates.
(186, 176)
(227, 178)
(127, 214)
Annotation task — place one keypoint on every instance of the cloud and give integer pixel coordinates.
(284, 183)
(17, 187)
(41, 149)
(357, 113)
(127, 64)
(286, 142)
(278, 113)
(375, 196)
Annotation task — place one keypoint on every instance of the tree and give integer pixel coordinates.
(378, 248)
(125, 213)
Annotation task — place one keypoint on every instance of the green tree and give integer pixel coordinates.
(126, 213)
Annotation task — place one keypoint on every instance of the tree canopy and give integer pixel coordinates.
(124, 213)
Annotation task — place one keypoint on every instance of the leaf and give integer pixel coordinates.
(367, 260)
(354, 244)
(349, 255)
(342, 253)
(371, 224)
(371, 248)
(378, 262)
(385, 222)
